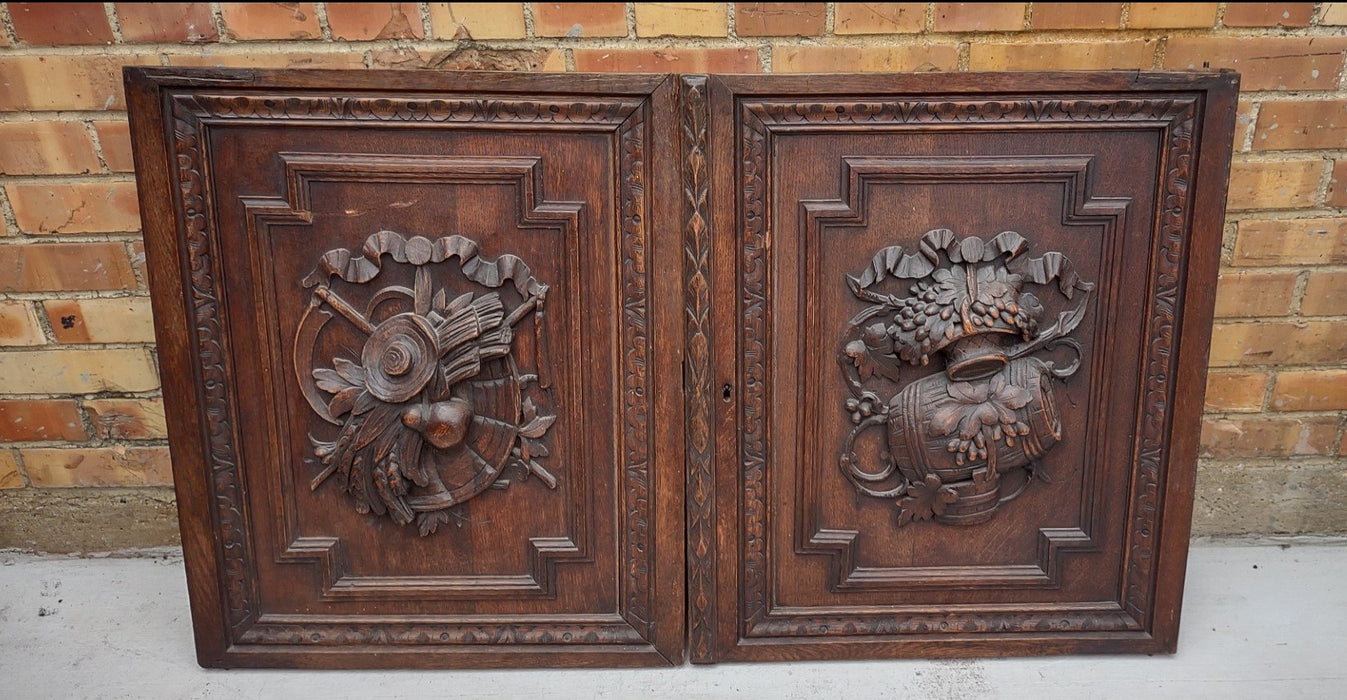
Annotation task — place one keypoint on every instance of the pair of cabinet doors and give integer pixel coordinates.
(478, 369)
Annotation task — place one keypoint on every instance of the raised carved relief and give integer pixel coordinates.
(433, 408)
(968, 437)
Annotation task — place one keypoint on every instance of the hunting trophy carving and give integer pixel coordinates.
(968, 437)
(433, 409)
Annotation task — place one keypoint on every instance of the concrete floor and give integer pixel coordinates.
(1262, 620)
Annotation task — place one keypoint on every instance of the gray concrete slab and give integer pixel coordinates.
(1263, 621)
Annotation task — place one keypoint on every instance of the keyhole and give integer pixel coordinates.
(726, 393)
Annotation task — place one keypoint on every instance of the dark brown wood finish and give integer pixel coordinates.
(421, 347)
(960, 335)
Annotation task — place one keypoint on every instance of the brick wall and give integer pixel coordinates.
(83, 462)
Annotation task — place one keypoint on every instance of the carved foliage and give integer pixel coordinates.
(434, 409)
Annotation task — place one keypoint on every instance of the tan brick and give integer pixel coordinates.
(119, 320)
(10, 478)
(98, 466)
(1292, 242)
(479, 20)
(1310, 390)
(671, 60)
(577, 19)
(878, 17)
(65, 371)
(19, 325)
(24, 420)
(1268, 14)
(1290, 184)
(682, 19)
(1236, 438)
(234, 58)
(138, 260)
(1139, 53)
(836, 59)
(1244, 121)
(60, 23)
(1298, 125)
(65, 266)
(1248, 293)
(979, 16)
(1278, 343)
(779, 18)
(1264, 63)
(245, 21)
(41, 83)
(1077, 15)
(75, 208)
(471, 57)
(363, 21)
(115, 140)
(46, 148)
(1233, 392)
(1334, 14)
(1337, 185)
(1172, 15)
(166, 22)
(1325, 294)
(127, 419)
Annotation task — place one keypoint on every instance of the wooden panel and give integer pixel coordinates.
(959, 347)
(421, 374)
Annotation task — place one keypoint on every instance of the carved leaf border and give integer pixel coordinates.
(189, 113)
(759, 119)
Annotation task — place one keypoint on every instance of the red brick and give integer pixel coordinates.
(577, 19)
(1337, 185)
(10, 478)
(1325, 294)
(232, 57)
(46, 148)
(1268, 14)
(115, 140)
(878, 17)
(362, 21)
(118, 320)
(1310, 390)
(837, 59)
(1095, 55)
(482, 20)
(1172, 15)
(1298, 125)
(127, 419)
(23, 420)
(779, 18)
(979, 16)
(1292, 242)
(1077, 15)
(60, 23)
(245, 21)
(19, 324)
(681, 19)
(1290, 184)
(1235, 438)
(1235, 392)
(65, 266)
(75, 208)
(670, 60)
(98, 466)
(1264, 63)
(1278, 343)
(166, 22)
(1249, 293)
(40, 83)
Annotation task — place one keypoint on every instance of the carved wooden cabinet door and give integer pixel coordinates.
(958, 328)
(421, 348)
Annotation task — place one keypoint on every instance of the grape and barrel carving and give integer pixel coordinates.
(968, 436)
(432, 409)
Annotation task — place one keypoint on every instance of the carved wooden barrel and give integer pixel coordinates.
(929, 418)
